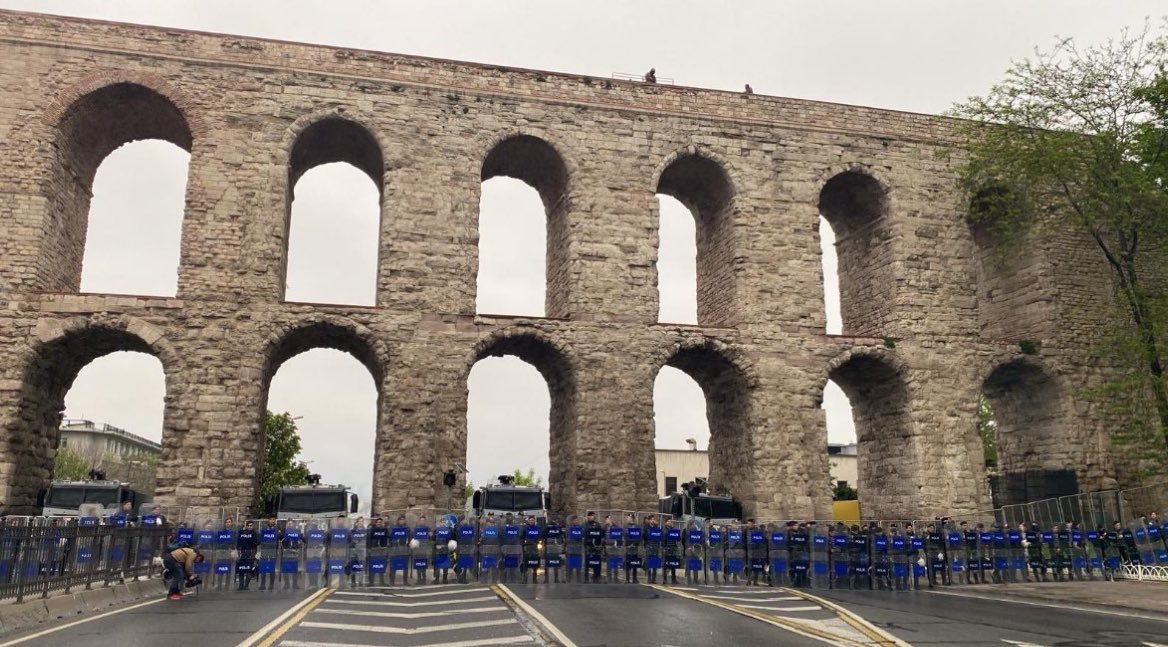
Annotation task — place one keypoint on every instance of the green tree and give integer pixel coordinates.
(68, 465)
(281, 451)
(841, 491)
(529, 478)
(987, 430)
(1073, 140)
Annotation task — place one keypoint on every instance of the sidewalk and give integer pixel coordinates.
(1122, 595)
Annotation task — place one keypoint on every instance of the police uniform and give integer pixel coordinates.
(247, 543)
(594, 547)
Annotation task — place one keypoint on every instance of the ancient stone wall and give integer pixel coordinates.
(756, 171)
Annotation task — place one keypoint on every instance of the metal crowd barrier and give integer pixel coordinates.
(40, 555)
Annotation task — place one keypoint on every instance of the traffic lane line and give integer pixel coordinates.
(428, 594)
(269, 633)
(411, 616)
(454, 626)
(52, 630)
(543, 623)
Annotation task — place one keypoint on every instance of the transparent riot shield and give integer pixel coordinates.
(267, 557)
(445, 546)
(838, 556)
(1158, 536)
(1143, 550)
(860, 559)
(716, 554)
(511, 551)
(291, 558)
(756, 554)
(225, 555)
(634, 544)
(1062, 561)
(315, 540)
(957, 556)
(593, 550)
(985, 555)
(554, 550)
(1017, 552)
(779, 553)
(695, 555)
(735, 553)
(820, 574)
(654, 539)
(614, 549)
(466, 560)
(672, 548)
(490, 545)
(336, 553)
(881, 561)
(918, 559)
(358, 557)
(531, 538)
(901, 564)
(206, 542)
(1112, 554)
(574, 550)
(421, 547)
(247, 547)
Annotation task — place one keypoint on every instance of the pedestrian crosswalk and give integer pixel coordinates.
(408, 617)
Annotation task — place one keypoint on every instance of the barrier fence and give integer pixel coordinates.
(40, 555)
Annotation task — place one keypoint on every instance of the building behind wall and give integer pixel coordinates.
(677, 466)
(123, 456)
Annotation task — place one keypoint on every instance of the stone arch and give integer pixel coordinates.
(556, 364)
(855, 203)
(728, 381)
(90, 121)
(537, 163)
(329, 136)
(62, 349)
(1030, 429)
(701, 181)
(889, 465)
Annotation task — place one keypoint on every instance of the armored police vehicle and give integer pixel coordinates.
(313, 501)
(694, 504)
(64, 498)
(506, 497)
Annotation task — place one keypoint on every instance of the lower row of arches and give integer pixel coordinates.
(520, 413)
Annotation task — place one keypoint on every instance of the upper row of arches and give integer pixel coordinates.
(852, 202)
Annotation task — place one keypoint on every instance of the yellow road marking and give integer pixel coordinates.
(268, 635)
(878, 635)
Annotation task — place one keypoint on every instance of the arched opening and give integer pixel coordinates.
(512, 406)
(842, 448)
(533, 162)
(676, 263)
(512, 249)
(702, 186)
(888, 467)
(334, 216)
(1023, 408)
(126, 389)
(854, 204)
(141, 179)
(328, 377)
(681, 430)
(1010, 301)
(726, 396)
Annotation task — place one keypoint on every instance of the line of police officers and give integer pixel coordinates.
(609, 548)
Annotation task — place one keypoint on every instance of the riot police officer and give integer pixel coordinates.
(575, 549)
(594, 545)
(671, 552)
(614, 547)
(399, 547)
(694, 554)
(918, 559)
(291, 544)
(935, 549)
(881, 562)
(972, 573)
(532, 538)
(269, 547)
(634, 537)
(247, 543)
(1033, 545)
(756, 552)
(553, 546)
(378, 552)
(224, 543)
(652, 543)
(799, 539)
(443, 559)
(859, 557)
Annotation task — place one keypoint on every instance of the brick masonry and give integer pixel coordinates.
(756, 171)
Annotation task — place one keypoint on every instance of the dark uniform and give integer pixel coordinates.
(670, 552)
(553, 546)
(378, 552)
(594, 545)
(247, 542)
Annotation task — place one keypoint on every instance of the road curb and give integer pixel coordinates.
(1093, 607)
(18, 617)
(550, 633)
(878, 635)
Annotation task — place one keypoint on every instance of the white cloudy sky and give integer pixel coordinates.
(917, 55)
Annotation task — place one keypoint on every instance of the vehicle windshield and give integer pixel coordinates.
(312, 502)
(514, 501)
(72, 496)
(717, 509)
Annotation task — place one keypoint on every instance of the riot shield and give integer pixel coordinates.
(553, 549)
(860, 559)
(315, 540)
(1139, 532)
(336, 558)
(881, 561)
(779, 553)
(532, 540)
(820, 577)
(654, 538)
(511, 551)
(901, 565)
(466, 561)
(614, 548)
(756, 553)
(1017, 552)
(958, 559)
(574, 550)
(358, 557)
(1158, 537)
(716, 553)
(735, 553)
(918, 558)
(421, 547)
(206, 542)
(1112, 554)
(634, 544)
(839, 557)
(490, 543)
(1062, 554)
(695, 555)
(291, 554)
(445, 546)
(987, 553)
(671, 553)
(267, 558)
(397, 549)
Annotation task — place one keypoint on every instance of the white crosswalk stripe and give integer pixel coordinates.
(482, 642)
(411, 616)
(428, 603)
(379, 629)
(780, 609)
(732, 598)
(429, 594)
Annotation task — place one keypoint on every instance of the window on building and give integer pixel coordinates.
(670, 484)
(841, 484)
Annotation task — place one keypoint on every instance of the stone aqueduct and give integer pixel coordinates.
(756, 171)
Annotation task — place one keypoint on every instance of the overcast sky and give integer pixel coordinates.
(920, 56)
